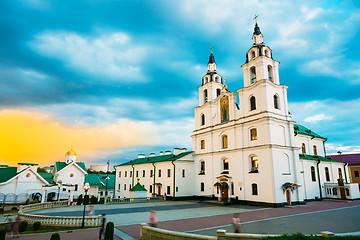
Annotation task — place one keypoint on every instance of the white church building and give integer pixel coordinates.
(246, 147)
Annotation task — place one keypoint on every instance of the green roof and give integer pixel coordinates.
(155, 159)
(110, 182)
(7, 173)
(30, 164)
(138, 188)
(316, 157)
(49, 177)
(92, 179)
(61, 165)
(97, 179)
(299, 129)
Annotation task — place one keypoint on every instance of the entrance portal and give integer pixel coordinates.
(159, 190)
(224, 191)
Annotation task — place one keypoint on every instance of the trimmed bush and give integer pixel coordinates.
(36, 200)
(14, 208)
(86, 200)
(1, 210)
(109, 231)
(36, 226)
(23, 226)
(93, 200)
(80, 200)
(27, 201)
(2, 234)
(55, 236)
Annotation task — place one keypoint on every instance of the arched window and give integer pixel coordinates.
(202, 119)
(202, 167)
(313, 177)
(327, 175)
(224, 141)
(276, 102)
(253, 134)
(202, 186)
(218, 92)
(267, 53)
(252, 103)
(334, 191)
(252, 54)
(253, 74)
(254, 163)
(254, 189)
(340, 173)
(217, 79)
(202, 144)
(270, 73)
(226, 164)
(205, 96)
(303, 148)
(232, 188)
(315, 150)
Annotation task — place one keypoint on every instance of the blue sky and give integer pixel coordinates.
(136, 65)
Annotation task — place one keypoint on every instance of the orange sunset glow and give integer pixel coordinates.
(39, 138)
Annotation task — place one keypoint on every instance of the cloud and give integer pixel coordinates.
(38, 137)
(112, 55)
(317, 118)
(333, 148)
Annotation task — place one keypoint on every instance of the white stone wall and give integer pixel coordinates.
(78, 177)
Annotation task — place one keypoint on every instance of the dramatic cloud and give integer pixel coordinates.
(317, 118)
(111, 55)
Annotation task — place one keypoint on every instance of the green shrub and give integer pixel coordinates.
(1, 210)
(80, 200)
(27, 201)
(55, 236)
(2, 234)
(86, 200)
(23, 226)
(109, 231)
(36, 226)
(14, 208)
(93, 200)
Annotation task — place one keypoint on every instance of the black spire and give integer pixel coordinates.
(257, 29)
(211, 58)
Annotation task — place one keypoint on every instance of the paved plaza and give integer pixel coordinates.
(206, 219)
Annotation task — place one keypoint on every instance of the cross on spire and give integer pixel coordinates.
(211, 48)
(255, 18)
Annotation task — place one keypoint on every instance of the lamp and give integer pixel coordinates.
(59, 184)
(86, 188)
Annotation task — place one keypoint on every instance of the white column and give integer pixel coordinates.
(98, 197)
(43, 195)
(71, 196)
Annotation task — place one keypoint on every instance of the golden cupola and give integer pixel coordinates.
(71, 152)
(70, 156)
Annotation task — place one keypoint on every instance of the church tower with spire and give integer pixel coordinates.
(243, 141)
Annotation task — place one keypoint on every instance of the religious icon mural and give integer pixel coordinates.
(224, 108)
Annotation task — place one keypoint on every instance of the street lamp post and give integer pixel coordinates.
(86, 188)
(59, 183)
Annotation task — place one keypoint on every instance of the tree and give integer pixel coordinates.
(80, 200)
(109, 231)
(41, 170)
(55, 236)
(86, 200)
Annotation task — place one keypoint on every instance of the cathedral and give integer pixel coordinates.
(246, 146)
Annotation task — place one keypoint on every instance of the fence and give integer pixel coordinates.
(55, 220)
(132, 200)
(14, 198)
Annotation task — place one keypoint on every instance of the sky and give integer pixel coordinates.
(113, 79)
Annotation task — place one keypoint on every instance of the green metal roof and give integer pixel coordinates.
(316, 157)
(110, 182)
(299, 129)
(92, 179)
(7, 173)
(61, 165)
(30, 164)
(97, 179)
(49, 177)
(155, 159)
(138, 188)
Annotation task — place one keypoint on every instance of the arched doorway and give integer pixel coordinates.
(224, 191)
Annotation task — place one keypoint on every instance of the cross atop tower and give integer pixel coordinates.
(211, 48)
(255, 18)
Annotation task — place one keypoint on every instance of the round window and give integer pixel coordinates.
(71, 174)
(28, 175)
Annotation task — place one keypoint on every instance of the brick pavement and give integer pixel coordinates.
(185, 225)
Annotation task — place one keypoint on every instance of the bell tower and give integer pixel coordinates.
(211, 83)
(259, 62)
